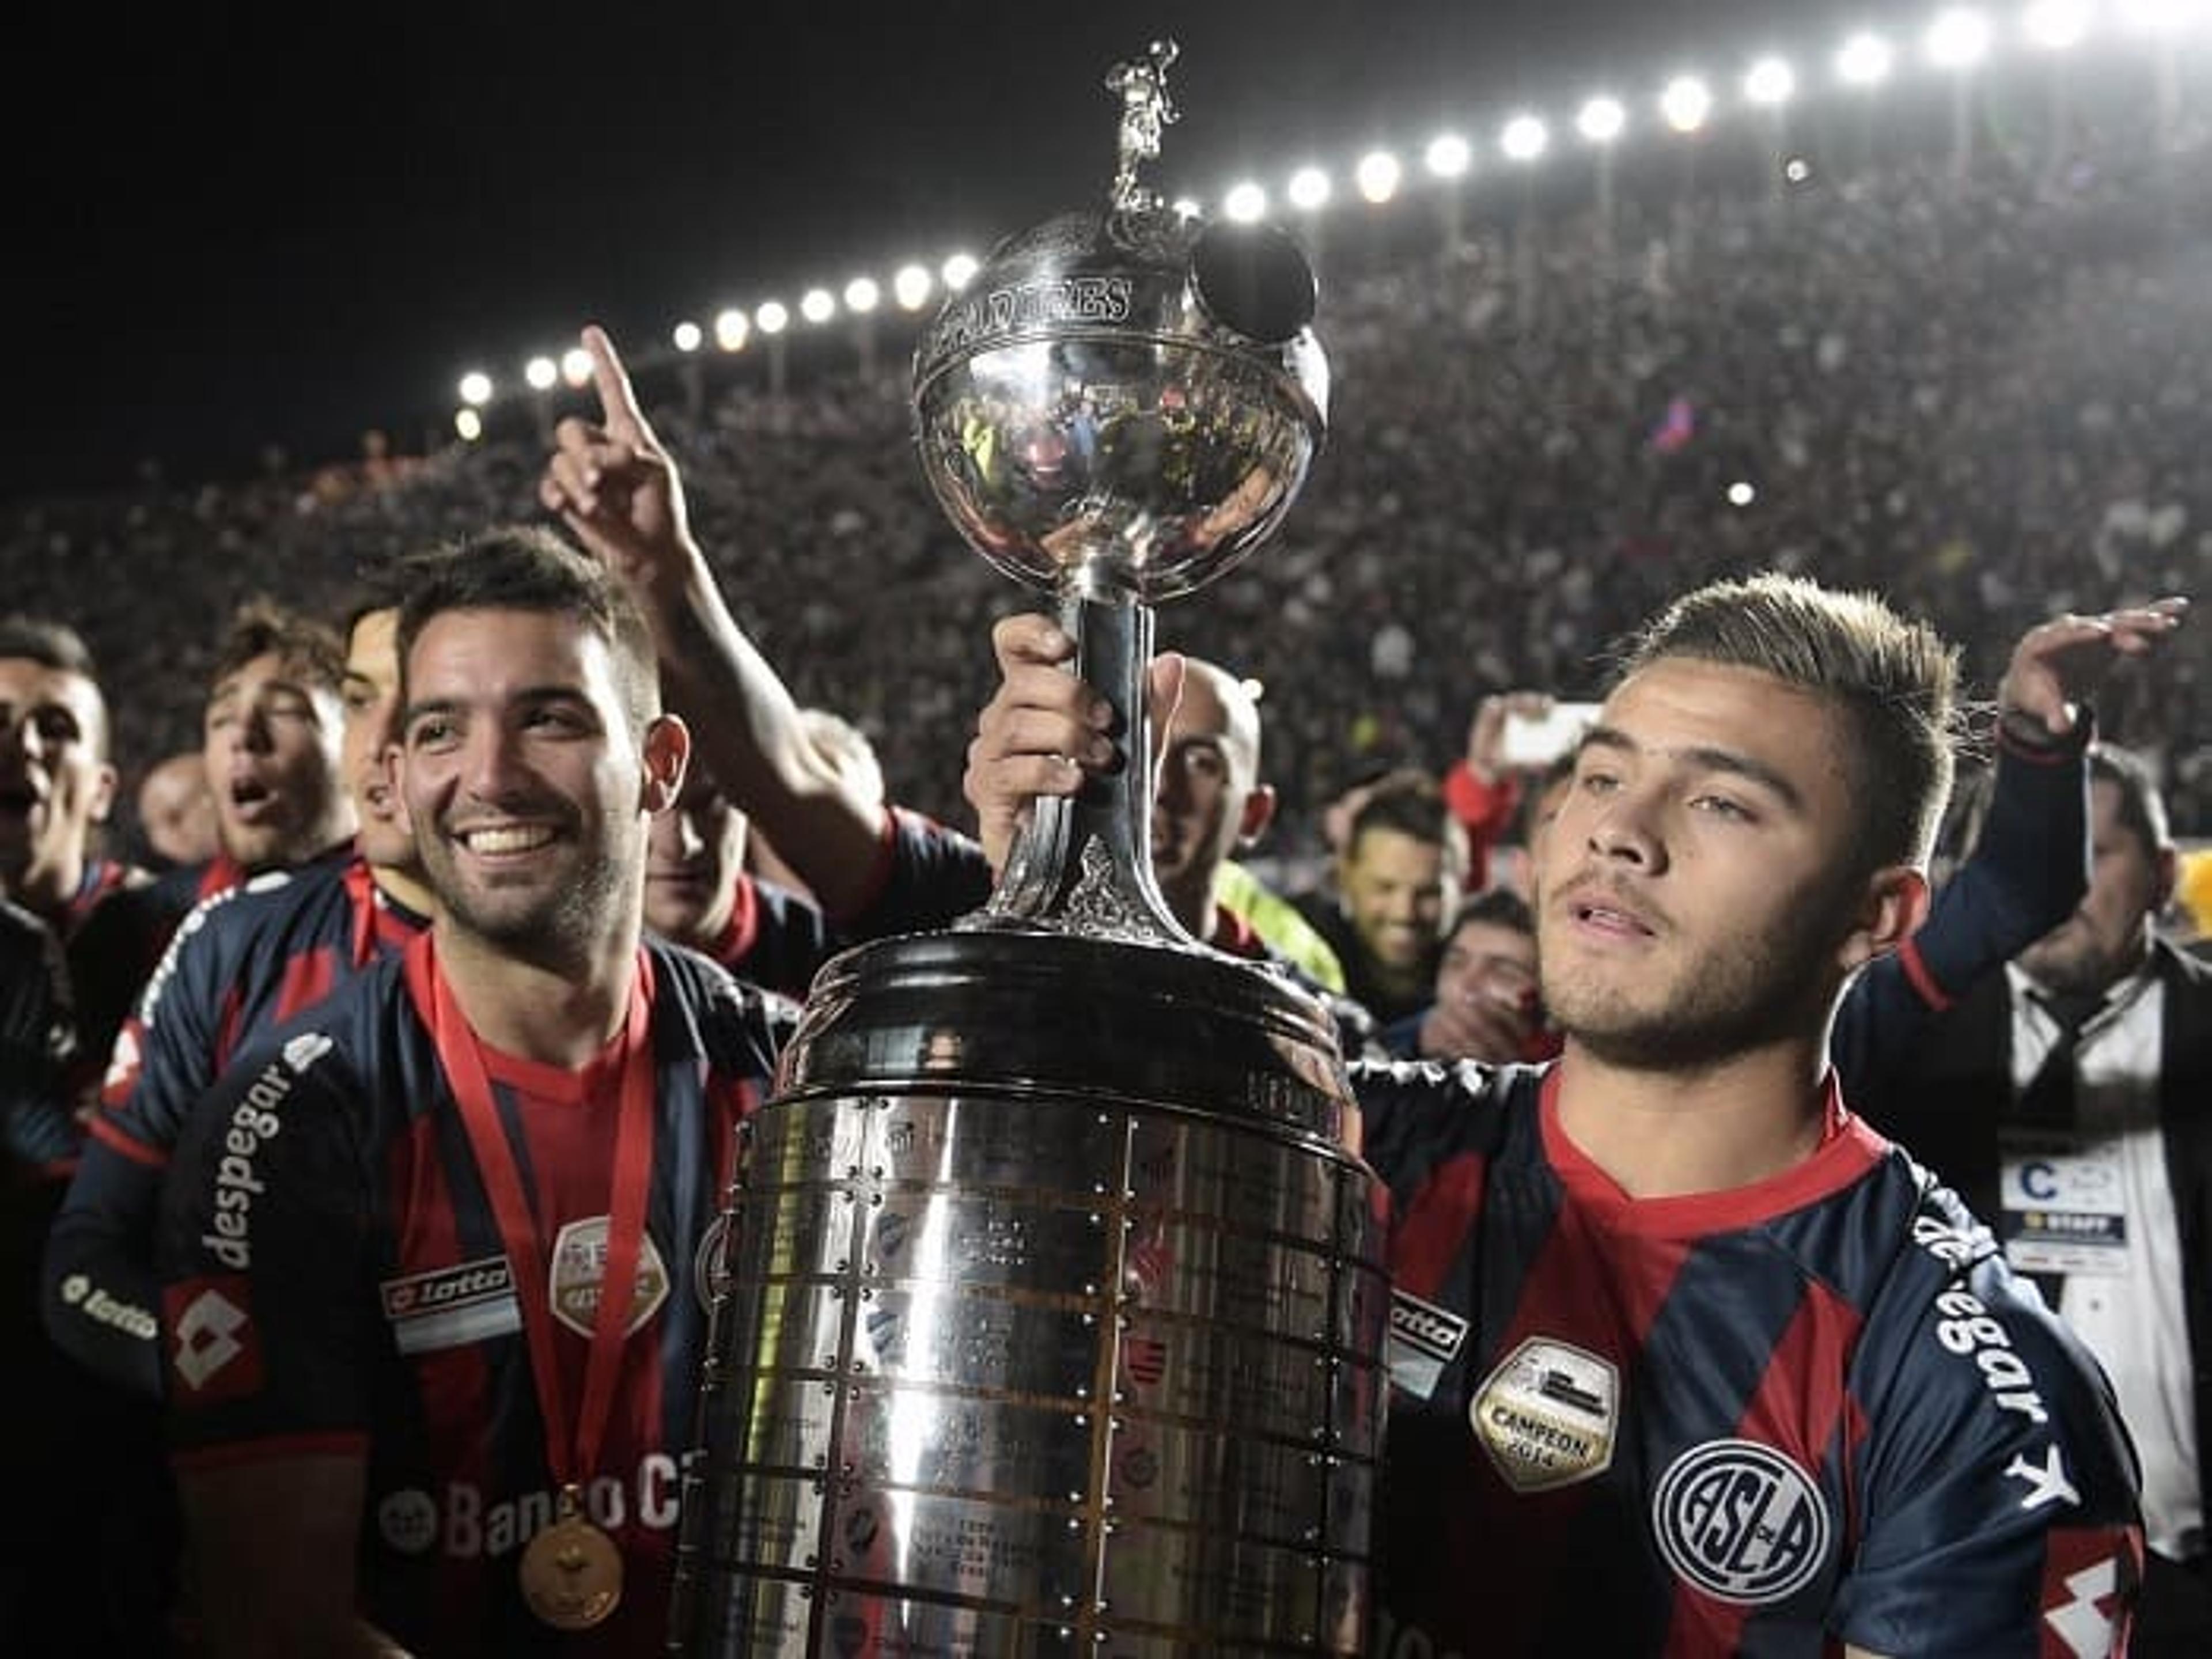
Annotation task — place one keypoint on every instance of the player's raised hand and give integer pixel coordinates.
(2058, 664)
(612, 484)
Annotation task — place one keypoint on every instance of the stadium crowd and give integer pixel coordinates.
(1985, 398)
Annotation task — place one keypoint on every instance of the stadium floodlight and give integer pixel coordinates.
(1307, 189)
(733, 328)
(1685, 103)
(771, 316)
(1769, 82)
(476, 388)
(686, 337)
(1865, 61)
(862, 296)
(1246, 204)
(1959, 39)
(1601, 120)
(1377, 176)
(540, 374)
(960, 271)
(2161, 16)
(817, 305)
(1741, 493)
(1447, 155)
(2055, 25)
(1524, 138)
(910, 287)
(469, 424)
(576, 366)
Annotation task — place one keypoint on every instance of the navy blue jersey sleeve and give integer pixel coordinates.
(929, 876)
(1417, 1115)
(169, 1050)
(265, 1254)
(1401, 1038)
(2028, 870)
(1999, 1487)
(99, 1285)
(791, 939)
(118, 948)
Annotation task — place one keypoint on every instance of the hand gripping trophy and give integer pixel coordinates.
(1051, 1312)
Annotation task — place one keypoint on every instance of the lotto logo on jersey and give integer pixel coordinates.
(449, 1307)
(2090, 1577)
(579, 1266)
(1741, 1522)
(214, 1353)
(1424, 1339)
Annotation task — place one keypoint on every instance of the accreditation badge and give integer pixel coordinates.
(2064, 1208)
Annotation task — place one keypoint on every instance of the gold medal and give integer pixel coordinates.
(571, 1573)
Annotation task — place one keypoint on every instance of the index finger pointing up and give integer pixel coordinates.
(618, 404)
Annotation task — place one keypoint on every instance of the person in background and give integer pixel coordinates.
(1385, 922)
(1488, 785)
(699, 892)
(82, 1575)
(249, 956)
(2070, 1098)
(271, 729)
(1488, 1005)
(175, 807)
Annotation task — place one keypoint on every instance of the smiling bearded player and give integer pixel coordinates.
(385, 1235)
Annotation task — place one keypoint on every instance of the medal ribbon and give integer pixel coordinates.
(571, 1461)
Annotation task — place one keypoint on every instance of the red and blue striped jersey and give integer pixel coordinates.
(1814, 1411)
(335, 1281)
(247, 958)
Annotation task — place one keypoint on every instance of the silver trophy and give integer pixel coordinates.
(1118, 409)
(1052, 1312)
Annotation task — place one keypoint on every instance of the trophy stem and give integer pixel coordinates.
(1083, 864)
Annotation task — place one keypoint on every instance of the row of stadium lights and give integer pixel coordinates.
(1957, 41)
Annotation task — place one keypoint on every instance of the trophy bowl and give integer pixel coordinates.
(1125, 401)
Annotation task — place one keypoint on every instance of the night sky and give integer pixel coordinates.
(237, 225)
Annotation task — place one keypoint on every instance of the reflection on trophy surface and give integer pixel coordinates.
(1052, 1313)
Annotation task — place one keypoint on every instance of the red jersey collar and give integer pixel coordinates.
(1848, 1149)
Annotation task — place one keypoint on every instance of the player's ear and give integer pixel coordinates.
(665, 752)
(1258, 813)
(1891, 909)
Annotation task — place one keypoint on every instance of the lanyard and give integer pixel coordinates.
(572, 1461)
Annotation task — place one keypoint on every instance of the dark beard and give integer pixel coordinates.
(1780, 988)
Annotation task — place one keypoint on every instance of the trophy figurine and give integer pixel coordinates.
(1050, 1313)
